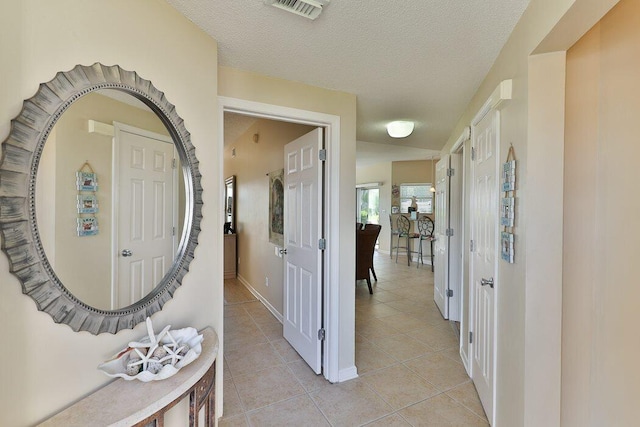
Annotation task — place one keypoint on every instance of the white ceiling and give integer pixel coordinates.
(419, 60)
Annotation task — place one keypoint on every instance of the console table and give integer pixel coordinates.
(134, 403)
(230, 256)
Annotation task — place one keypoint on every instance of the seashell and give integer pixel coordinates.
(141, 356)
(159, 353)
(133, 369)
(134, 357)
(154, 366)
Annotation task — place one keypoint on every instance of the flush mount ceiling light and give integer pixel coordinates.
(308, 8)
(399, 129)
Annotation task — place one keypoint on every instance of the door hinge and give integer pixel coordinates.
(470, 337)
(473, 153)
(321, 334)
(173, 163)
(173, 231)
(451, 172)
(449, 232)
(322, 244)
(471, 246)
(322, 155)
(449, 293)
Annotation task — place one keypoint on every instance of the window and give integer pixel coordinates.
(368, 205)
(423, 196)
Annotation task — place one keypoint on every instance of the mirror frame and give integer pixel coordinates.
(21, 152)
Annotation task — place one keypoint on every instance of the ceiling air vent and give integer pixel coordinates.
(308, 8)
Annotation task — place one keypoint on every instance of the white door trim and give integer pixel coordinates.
(459, 211)
(331, 124)
(495, 102)
(502, 93)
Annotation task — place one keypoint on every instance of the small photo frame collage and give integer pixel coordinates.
(87, 201)
(508, 208)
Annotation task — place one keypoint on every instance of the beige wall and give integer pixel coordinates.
(251, 164)
(253, 87)
(50, 366)
(412, 171)
(600, 294)
(522, 294)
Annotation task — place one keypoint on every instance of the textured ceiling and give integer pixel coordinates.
(419, 60)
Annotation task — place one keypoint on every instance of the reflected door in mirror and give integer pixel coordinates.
(146, 212)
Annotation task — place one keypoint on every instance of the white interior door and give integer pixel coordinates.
(454, 271)
(484, 257)
(441, 242)
(447, 233)
(303, 260)
(145, 212)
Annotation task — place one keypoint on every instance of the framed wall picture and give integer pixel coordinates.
(87, 203)
(507, 211)
(506, 244)
(276, 207)
(509, 175)
(86, 181)
(87, 226)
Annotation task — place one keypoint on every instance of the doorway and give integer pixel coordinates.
(331, 295)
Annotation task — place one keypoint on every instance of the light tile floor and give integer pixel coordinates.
(410, 373)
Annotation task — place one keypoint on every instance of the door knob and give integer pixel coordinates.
(485, 282)
(283, 251)
(126, 252)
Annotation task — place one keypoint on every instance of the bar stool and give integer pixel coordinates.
(393, 231)
(404, 231)
(425, 227)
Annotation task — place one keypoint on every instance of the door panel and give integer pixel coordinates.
(454, 280)
(302, 288)
(484, 222)
(441, 242)
(145, 216)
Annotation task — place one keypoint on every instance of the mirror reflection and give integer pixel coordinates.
(230, 205)
(110, 244)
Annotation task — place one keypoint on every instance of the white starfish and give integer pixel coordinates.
(172, 348)
(153, 342)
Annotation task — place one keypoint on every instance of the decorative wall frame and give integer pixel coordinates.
(276, 207)
(21, 153)
(508, 207)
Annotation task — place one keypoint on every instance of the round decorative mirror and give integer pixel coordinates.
(100, 198)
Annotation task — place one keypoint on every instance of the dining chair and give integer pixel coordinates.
(378, 228)
(425, 228)
(365, 246)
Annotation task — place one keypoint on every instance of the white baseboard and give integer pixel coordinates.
(347, 374)
(465, 361)
(260, 298)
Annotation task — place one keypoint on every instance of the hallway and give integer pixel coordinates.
(410, 373)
